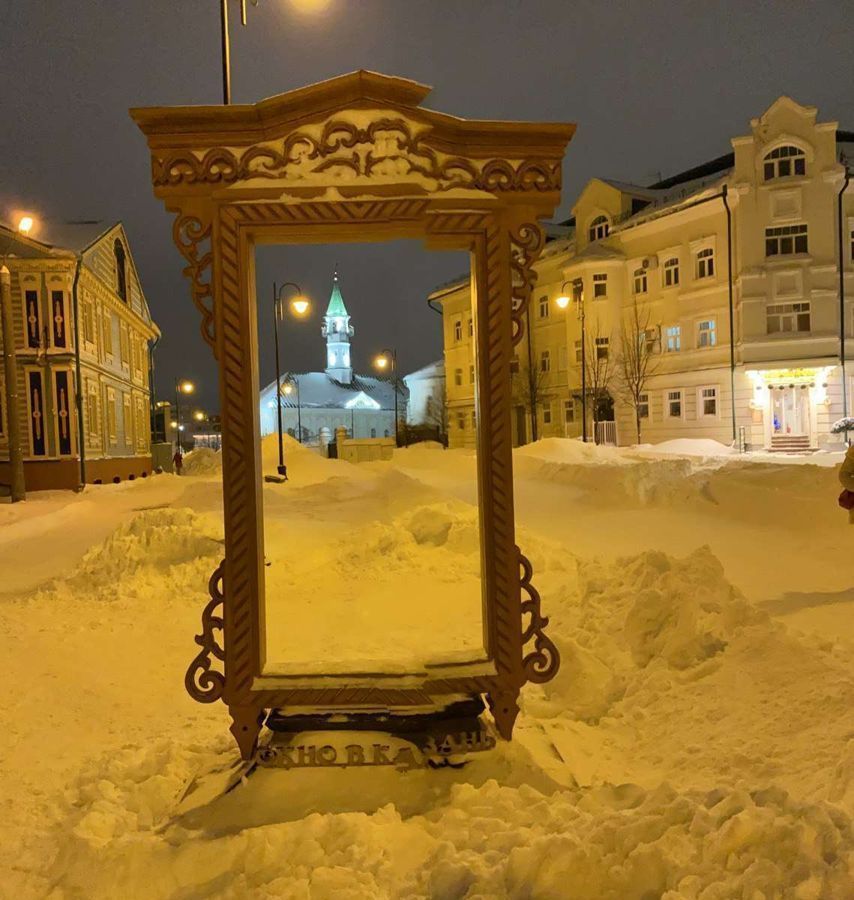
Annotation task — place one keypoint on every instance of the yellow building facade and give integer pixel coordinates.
(743, 247)
(79, 316)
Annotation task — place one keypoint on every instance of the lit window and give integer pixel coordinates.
(458, 377)
(602, 347)
(783, 318)
(784, 161)
(673, 339)
(671, 272)
(643, 406)
(639, 281)
(674, 404)
(707, 401)
(707, 335)
(598, 228)
(706, 263)
(600, 287)
(786, 240)
(578, 351)
(545, 361)
(458, 330)
(544, 307)
(547, 413)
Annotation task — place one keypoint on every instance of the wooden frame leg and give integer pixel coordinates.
(246, 724)
(504, 706)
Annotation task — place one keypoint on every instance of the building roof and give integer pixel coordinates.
(336, 301)
(317, 390)
(431, 370)
(54, 238)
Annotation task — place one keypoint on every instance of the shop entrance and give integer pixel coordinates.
(790, 409)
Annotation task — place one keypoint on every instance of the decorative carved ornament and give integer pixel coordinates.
(357, 158)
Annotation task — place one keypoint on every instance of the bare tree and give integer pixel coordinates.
(528, 386)
(637, 361)
(599, 368)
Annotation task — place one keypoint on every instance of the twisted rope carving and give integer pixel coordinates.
(542, 663)
(204, 684)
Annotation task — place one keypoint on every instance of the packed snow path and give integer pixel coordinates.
(697, 743)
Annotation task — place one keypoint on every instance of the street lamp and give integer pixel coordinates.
(25, 225)
(182, 386)
(288, 388)
(300, 307)
(387, 359)
(563, 302)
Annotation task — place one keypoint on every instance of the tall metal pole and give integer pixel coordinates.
(394, 377)
(282, 470)
(226, 53)
(731, 313)
(841, 249)
(580, 301)
(177, 418)
(13, 429)
(299, 412)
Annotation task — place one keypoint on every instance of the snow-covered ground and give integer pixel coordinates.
(698, 741)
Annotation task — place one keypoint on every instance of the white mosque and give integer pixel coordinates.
(314, 404)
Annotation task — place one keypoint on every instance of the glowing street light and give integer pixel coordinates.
(182, 386)
(385, 361)
(199, 416)
(25, 224)
(563, 302)
(300, 306)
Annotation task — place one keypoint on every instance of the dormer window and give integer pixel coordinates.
(121, 270)
(599, 228)
(784, 161)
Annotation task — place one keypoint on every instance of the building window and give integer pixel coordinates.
(705, 263)
(786, 240)
(707, 335)
(112, 417)
(639, 281)
(473, 420)
(784, 161)
(108, 333)
(33, 316)
(674, 404)
(852, 244)
(707, 401)
(458, 377)
(461, 421)
(643, 406)
(458, 330)
(569, 412)
(598, 228)
(514, 365)
(544, 307)
(471, 374)
(602, 347)
(647, 339)
(671, 272)
(88, 323)
(578, 351)
(127, 423)
(547, 412)
(92, 410)
(59, 331)
(121, 270)
(673, 339)
(471, 327)
(124, 340)
(600, 287)
(783, 318)
(545, 361)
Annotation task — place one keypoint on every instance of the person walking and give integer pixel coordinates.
(846, 479)
(178, 461)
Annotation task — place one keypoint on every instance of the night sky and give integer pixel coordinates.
(654, 87)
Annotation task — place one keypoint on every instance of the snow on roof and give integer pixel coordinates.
(431, 370)
(319, 391)
(55, 238)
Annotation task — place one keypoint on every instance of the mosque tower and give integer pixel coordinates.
(337, 330)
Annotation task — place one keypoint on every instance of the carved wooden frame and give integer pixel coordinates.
(483, 203)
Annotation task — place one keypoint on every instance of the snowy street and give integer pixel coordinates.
(698, 741)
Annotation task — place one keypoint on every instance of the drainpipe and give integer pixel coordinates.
(81, 437)
(152, 346)
(731, 314)
(842, 297)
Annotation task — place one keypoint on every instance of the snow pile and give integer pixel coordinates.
(202, 461)
(703, 447)
(485, 840)
(159, 550)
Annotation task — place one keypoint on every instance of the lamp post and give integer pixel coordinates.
(182, 386)
(563, 301)
(299, 307)
(388, 358)
(291, 384)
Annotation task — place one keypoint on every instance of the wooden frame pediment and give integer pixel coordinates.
(357, 159)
